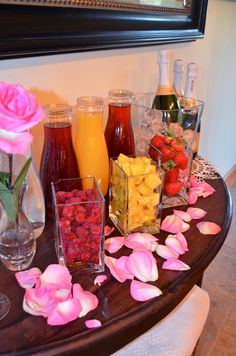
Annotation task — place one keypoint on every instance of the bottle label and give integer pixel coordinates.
(165, 90)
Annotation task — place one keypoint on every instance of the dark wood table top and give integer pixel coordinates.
(123, 319)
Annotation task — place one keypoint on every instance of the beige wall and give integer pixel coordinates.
(62, 78)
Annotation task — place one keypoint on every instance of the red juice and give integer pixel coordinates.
(119, 134)
(58, 159)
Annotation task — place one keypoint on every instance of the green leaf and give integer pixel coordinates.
(4, 178)
(21, 177)
(10, 200)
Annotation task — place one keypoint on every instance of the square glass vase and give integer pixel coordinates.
(79, 209)
(135, 201)
(179, 129)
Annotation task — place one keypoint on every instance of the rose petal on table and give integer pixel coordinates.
(182, 240)
(114, 244)
(172, 224)
(56, 275)
(196, 213)
(175, 265)
(108, 230)
(143, 291)
(185, 227)
(27, 279)
(64, 312)
(100, 279)
(193, 181)
(208, 228)
(183, 215)
(38, 304)
(88, 300)
(118, 268)
(61, 295)
(174, 245)
(207, 189)
(137, 241)
(164, 252)
(142, 265)
(93, 323)
(192, 196)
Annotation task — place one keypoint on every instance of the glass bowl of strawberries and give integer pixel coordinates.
(171, 145)
(172, 153)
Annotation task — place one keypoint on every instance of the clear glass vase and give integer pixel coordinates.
(33, 204)
(17, 238)
(169, 138)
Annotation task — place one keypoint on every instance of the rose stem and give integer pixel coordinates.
(10, 169)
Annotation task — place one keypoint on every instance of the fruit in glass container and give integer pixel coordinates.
(137, 192)
(172, 157)
(172, 188)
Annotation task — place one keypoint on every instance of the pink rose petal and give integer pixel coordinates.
(28, 278)
(38, 303)
(114, 244)
(185, 227)
(207, 189)
(88, 300)
(208, 228)
(100, 279)
(56, 276)
(175, 265)
(174, 245)
(143, 266)
(118, 269)
(142, 291)
(93, 323)
(172, 224)
(196, 213)
(192, 196)
(164, 252)
(108, 230)
(64, 312)
(182, 240)
(139, 241)
(183, 215)
(60, 295)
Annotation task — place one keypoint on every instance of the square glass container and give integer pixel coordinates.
(135, 194)
(179, 128)
(79, 209)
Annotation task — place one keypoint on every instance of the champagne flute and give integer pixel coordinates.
(4, 305)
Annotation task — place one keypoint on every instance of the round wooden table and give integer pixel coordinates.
(123, 319)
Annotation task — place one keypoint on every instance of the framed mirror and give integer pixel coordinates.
(43, 27)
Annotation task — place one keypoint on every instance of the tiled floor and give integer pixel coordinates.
(219, 335)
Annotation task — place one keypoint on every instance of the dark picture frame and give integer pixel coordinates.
(44, 27)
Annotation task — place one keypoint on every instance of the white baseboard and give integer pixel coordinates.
(230, 177)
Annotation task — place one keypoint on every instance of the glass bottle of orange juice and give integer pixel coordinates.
(90, 144)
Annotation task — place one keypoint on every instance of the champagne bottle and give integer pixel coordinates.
(178, 78)
(190, 117)
(165, 98)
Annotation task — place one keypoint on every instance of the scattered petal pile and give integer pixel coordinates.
(50, 295)
(199, 189)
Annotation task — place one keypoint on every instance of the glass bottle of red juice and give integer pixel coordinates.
(119, 133)
(58, 159)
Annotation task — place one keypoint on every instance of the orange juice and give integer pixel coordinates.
(90, 144)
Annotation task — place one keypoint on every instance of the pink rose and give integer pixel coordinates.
(19, 110)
